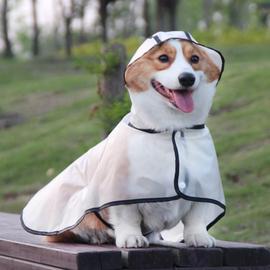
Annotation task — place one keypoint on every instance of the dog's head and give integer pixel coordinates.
(172, 84)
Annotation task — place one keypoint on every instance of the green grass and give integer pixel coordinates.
(54, 99)
(241, 131)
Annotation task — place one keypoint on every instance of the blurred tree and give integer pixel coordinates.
(125, 18)
(55, 30)
(264, 13)
(80, 9)
(35, 38)
(68, 14)
(111, 82)
(103, 13)
(238, 13)
(166, 14)
(207, 12)
(146, 17)
(5, 30)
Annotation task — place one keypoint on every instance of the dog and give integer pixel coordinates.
(171, 81)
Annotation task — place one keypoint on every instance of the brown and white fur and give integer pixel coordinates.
(152, 110)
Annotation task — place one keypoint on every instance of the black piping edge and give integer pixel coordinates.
(188, 36)
(176, 166)
(200, 126)
(190, 198)
(185, 39)
(97, 214)
(179, 195)
(152, 131)
(216, 219)
(148, 130)
(96, 209)
(157, 39)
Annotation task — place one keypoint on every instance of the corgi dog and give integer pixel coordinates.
(171, 86)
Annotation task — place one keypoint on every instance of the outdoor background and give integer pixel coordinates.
(61, 91)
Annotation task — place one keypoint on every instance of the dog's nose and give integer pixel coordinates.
(186, 79)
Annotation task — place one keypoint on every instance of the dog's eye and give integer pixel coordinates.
(163, 58)
(194, 59)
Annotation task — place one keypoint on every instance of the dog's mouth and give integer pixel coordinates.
(180, 98)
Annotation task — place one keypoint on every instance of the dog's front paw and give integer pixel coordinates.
(131, 241)
(199, 239)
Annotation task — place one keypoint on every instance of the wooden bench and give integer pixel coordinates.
(22, 251)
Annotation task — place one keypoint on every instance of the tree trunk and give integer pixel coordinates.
(103, 14)
(56, 34)
(4, 17)
(207, 12)
(68, 14)
(82, 7)
(172, 10)
(82, 34)
(237, 13)
(68, 36)
(103, 19)
(35, 40)
(166, 14)
(160, 15)
(147, 28)
(111, 84)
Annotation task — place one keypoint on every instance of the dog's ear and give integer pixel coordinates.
(132, 78)
(137, 75)
(215, 56)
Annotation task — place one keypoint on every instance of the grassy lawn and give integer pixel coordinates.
(241, 131)
(54, 100)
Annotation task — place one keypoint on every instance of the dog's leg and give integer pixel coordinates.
(126, 221)
(195, 233)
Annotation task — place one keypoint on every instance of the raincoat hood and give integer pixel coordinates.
(160, 37)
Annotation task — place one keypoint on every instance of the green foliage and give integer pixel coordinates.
(131, 44)
(111, 114)
(24, 41)
(91, 55)
(94, 59)
(109, 62)
(91, 48)
(232, 36)
(97, 61)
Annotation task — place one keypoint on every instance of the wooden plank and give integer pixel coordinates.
(18, 247)
(17, 243)
(198, 257)
(55, 256)
(148, 258)
(244, 254)
(246, 257)
(226, 268)
(214, 268)
(8, 263)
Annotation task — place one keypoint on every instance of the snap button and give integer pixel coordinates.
(182, 185)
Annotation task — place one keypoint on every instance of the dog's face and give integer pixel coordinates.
(172, 85)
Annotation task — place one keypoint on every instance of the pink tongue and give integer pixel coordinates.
(183, 100)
